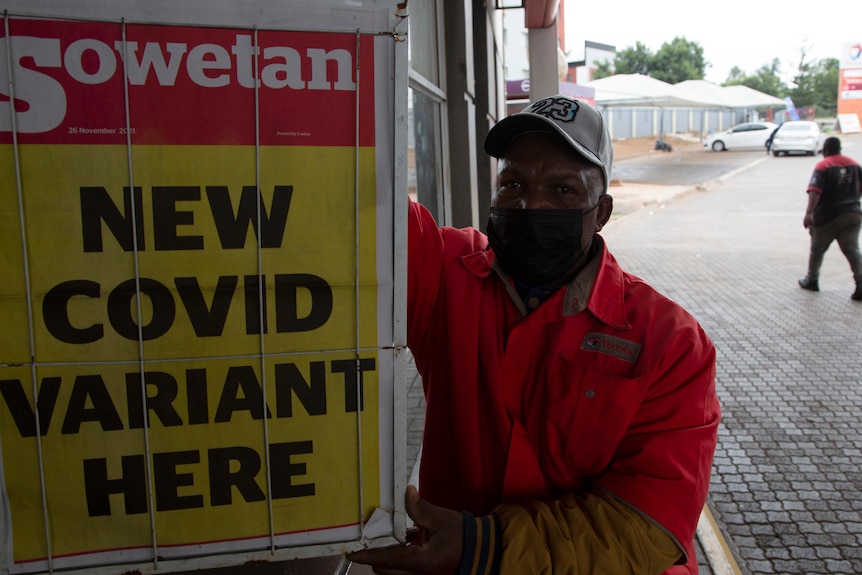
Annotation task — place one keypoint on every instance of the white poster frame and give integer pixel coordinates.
(382, 20)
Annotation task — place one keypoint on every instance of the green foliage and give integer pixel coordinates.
(634, 60)
(736, 76)
(803, 92)
(603, 69)
(813, 83)
(674, 62)
(766, 79)
(679, 60)
(826, 87)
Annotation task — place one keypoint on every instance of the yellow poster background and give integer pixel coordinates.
(319, 241)
(14, 342)
(325, 442)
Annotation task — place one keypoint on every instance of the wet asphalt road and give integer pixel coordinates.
(682, 167)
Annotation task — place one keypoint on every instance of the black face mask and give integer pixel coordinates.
(537, 247)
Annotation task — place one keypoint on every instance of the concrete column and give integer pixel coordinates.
(461, 89)
(490, 99)
(544, 70)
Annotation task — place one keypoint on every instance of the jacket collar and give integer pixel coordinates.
(607, 290)
(599, 287)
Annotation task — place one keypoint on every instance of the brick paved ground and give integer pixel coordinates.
(786, 483)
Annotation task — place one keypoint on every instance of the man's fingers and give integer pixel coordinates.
(427, 515)
(413, 535)
(416, 507)
(438, 552)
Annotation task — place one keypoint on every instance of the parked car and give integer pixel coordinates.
(798, 136)
(741, 136)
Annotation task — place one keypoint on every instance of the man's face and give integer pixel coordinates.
(538, 170)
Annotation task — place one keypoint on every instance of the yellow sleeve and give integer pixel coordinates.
(593, 534)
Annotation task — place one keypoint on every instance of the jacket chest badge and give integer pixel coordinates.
(616, 346)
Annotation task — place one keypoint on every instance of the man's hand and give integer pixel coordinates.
(808, 220)
(438, 550)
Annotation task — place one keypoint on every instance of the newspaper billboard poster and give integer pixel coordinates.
(196, 292)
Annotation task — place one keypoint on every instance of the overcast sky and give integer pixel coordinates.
(744, 33)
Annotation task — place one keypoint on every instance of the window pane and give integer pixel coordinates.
(424, 171)
(422, 47)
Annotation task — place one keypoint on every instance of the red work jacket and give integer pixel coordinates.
(607, 384)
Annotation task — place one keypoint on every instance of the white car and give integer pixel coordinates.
(749, 135)
(798, 136)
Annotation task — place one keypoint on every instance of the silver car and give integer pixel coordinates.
(800, 136)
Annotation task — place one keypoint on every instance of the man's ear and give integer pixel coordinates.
(604, 211)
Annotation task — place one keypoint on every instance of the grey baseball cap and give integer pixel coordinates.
(581, 125)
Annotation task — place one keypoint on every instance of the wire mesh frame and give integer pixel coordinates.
(399, 297)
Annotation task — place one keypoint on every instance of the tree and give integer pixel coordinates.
(603, 69)
(674, 62)
(766, 79)
(804, 92)
(814, 83)
(826, 86)
(677, 61)
(634, 60)
(736, 76)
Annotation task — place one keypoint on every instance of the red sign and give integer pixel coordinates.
(185, 85)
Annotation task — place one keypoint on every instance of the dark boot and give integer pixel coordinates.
(857, 295)
(809, 284)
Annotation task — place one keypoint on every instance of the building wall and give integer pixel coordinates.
(456, 93)
(581, 71)
(516, 58)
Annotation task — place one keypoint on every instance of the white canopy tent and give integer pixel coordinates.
(635, 91)
(744, 96)
(705, 93)
(641, 90)
(630, 90)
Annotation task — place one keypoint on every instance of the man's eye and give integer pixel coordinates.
(566, 190)
(510, 186)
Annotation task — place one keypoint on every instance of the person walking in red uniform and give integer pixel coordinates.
(834, 213)
(571, 408)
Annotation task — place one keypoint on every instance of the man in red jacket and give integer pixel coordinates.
(571, 409)
(834, 214)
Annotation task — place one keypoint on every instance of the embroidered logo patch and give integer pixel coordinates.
(612, 345)
(560, 109)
